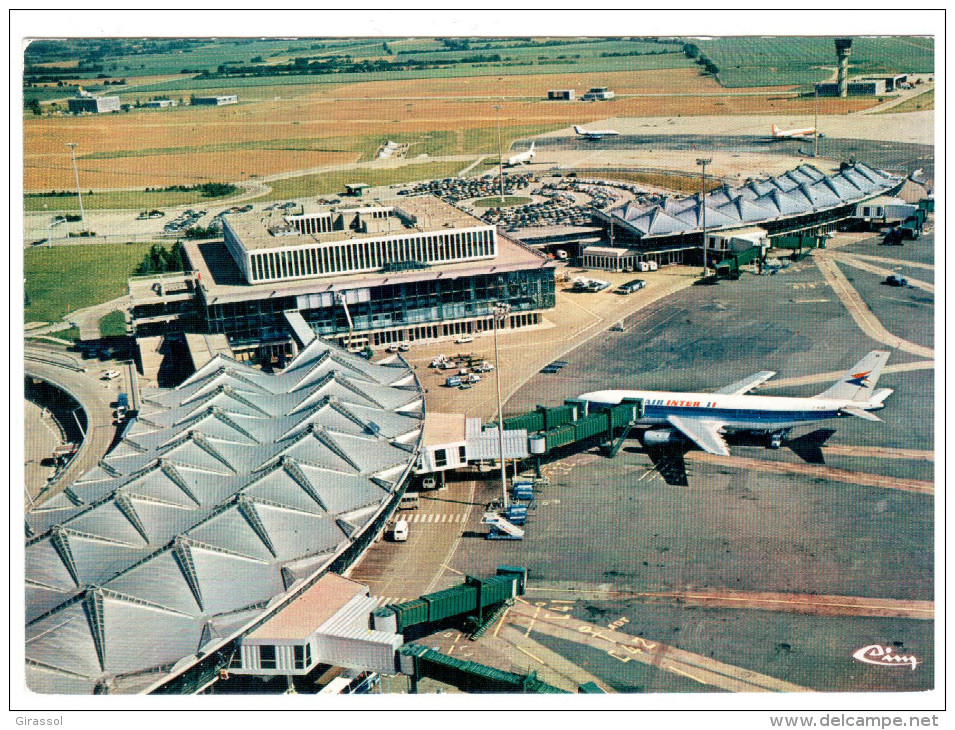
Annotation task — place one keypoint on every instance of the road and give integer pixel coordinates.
(95, 398)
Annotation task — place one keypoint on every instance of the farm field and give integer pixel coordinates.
(97, 273)
(770, 61)
(345, 123)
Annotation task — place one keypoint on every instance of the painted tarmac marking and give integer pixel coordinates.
(501, 622)
(532, 656)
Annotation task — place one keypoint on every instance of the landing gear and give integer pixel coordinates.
(776, 438)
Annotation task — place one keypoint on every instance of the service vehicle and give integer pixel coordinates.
(110, 374)
(631, 286)
(464, 339)
(408, 501)
(400, 531)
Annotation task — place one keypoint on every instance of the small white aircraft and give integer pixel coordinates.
(595, 133)
(522, 158)
(807, 133)
(702, 418)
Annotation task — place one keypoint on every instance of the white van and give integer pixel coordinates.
(653, 265)
(641, 266)
(400, 531)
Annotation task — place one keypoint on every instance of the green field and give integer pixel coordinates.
(113, 200)
(334, 182)
(495, 202)
(782, 61)
(63, 279)
(113, 324)
(918, 103)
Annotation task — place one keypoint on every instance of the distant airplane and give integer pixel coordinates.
(524, 157)
(809, 133)
(703, 418)
(595, 133)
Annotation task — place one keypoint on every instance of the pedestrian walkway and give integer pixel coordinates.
(433, 517)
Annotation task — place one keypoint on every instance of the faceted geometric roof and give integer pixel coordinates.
(226, 492)
(796, 192)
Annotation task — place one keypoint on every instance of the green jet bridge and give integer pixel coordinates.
(477, 602)
(553, 428)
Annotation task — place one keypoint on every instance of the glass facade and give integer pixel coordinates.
(390, 305)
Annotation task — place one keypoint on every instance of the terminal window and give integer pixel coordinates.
(267, 657)
(440, 457)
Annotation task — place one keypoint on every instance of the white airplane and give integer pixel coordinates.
(595, 133)
(521, 158)
(702, 418)
(807, 133)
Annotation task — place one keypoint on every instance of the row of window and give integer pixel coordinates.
(364, 255)
(301, 656)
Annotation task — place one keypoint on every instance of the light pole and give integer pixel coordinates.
(704, 161)
(501, 311)
(500, 151)
(76, 175)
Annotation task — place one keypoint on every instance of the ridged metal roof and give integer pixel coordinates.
(800, 191)
(225, 494)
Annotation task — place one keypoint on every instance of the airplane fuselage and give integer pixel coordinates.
(736, 412)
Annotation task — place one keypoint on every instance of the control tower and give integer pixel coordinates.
(843, 49)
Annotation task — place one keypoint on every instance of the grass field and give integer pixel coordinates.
(113, 324)
(919, 103)
(334, 182)
(773, 61)
(509, 201)
(118, 199)
(63, 279)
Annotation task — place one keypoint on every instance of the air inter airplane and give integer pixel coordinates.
(703, 418)
(778, 133)
(595, 133)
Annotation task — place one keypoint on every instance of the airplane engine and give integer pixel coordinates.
(662, 437)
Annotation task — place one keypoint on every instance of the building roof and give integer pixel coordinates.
(800, 191)
(227, 494)
(424, 214)
(222, 281)
(443, 428)
(310, 610)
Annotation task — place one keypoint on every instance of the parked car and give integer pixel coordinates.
(404, 346)
(429, 482)
(110, 374)
(896, 280)
(464, 339)
(551, 369)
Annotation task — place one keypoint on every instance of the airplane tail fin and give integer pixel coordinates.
(774, 129)
(532, 146)
(578, 130)
(858, 383)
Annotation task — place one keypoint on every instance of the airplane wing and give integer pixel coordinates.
(705, 434)
(746, 384)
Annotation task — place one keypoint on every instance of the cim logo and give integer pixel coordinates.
(859, 379)
(884, 656)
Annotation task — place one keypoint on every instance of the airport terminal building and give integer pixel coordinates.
(359, 276)
(801, 201)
